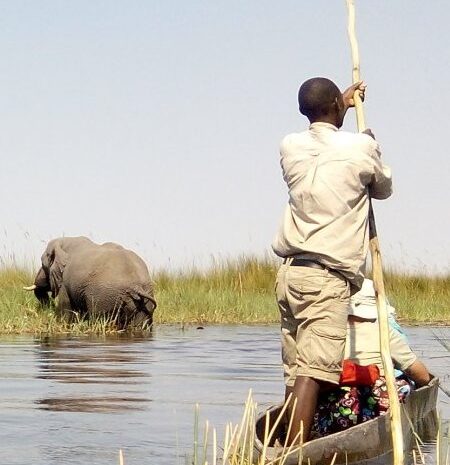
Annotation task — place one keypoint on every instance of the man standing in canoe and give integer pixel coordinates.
(323, 240)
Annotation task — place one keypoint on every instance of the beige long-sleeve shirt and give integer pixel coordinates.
(329, 173)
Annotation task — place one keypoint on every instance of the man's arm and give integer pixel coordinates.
(380, 186)
(418, 373)
(406, 360)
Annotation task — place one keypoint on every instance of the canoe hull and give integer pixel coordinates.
(365, 442)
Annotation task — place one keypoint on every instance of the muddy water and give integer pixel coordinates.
(78, 400)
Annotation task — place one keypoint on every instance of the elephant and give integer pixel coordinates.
(90, 279)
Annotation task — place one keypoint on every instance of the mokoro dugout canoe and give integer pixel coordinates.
(366, 443)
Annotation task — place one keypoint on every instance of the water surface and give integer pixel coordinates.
(80, 400)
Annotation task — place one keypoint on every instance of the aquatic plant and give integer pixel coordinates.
(239, 441)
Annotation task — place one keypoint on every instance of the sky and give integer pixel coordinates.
(156, 124)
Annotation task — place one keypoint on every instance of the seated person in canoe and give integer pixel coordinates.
(362, 394)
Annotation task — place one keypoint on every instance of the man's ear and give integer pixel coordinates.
(338, 104)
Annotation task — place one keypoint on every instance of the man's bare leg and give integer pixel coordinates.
(304, 396)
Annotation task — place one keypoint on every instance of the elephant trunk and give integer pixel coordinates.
(41, 287)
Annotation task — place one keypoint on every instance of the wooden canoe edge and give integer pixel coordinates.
(365, 443)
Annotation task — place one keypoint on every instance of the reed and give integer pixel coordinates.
(238, 443)
(443, 444)
(238, 291)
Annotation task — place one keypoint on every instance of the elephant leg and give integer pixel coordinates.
(139, 320)
(105, 307)
(141, 316)
(64, 307)
(148, 314)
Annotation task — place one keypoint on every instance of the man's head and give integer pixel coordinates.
(320, 99)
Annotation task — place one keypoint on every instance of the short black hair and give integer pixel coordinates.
(316, 96)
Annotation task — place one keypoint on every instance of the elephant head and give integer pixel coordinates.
(50, 275)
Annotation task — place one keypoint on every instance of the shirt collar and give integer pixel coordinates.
(320, 126)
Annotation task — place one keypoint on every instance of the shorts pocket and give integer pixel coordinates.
(341, 288)
(305, 284)
(327, 344)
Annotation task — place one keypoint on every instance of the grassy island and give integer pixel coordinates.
(228, 292)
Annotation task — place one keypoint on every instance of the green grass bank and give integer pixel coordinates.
(229, 292)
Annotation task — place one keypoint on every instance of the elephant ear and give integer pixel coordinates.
(58, 263)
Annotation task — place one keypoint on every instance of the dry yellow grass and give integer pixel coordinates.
(236, 291)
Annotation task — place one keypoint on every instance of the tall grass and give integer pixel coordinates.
(242, 291)
(232, 291)
(228, 292)
(420, 298)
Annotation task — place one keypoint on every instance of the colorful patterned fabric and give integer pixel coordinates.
(380, 394)
(347, 406)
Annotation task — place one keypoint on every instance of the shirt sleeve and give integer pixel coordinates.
(380, 186)
(402, 355)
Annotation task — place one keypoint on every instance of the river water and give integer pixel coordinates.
(80, 400)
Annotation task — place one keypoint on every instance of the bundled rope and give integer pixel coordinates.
(377, 269)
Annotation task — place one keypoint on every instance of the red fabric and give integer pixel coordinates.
(358, 375)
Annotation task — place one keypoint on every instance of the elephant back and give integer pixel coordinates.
(112, 268)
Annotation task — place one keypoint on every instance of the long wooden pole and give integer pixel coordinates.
(394, 404)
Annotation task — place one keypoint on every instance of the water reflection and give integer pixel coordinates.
(88, 363)
(91, 404)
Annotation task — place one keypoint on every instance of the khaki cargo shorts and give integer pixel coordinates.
(313, 307)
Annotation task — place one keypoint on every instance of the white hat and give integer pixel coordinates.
(363, 304)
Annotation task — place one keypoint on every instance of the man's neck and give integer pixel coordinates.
(325, 119)
(323, 125)
(331, 118)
